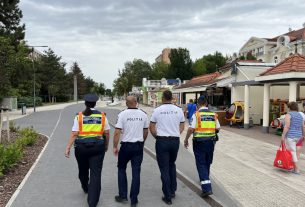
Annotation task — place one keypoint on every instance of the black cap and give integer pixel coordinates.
(91, 97)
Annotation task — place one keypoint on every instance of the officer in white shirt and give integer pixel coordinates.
(132, 126)
(166, 125)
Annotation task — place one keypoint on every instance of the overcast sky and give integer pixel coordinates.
(101, 35)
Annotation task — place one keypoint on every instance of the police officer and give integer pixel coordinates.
(132, 126)
(204, 127)
(90, 135)
(166, 125)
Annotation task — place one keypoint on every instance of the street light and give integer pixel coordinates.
(34, 82)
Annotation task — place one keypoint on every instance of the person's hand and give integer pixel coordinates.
(115, 151)
(67, 152)
(186, 143)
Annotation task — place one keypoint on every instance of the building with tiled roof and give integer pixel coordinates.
(275, 49)
(202, 80)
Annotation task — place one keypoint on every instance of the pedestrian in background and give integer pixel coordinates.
(204, 127)
(132, 126)
(166, 125)
(189, 110)
(294, 130)
(301, 141)
(90, 135)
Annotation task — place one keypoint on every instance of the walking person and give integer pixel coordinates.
(166, 125)
(204, 128)
(294, 130)
(301, 141)
(132, 126)
(90, 136)
(189, 110)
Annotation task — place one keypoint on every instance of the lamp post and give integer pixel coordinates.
(34, 81)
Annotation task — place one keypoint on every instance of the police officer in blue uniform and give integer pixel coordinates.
(204, 127)
(90, 136)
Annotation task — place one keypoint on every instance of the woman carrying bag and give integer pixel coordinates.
(294, 130)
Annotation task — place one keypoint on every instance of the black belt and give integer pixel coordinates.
(167, 138)
(89, 140)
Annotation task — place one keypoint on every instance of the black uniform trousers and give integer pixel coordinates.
(90, 157)
(132, 152)
(166, 152)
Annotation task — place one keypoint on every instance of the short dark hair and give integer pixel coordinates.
(191, 100)
(167, 95)
(202, 101)
(293, 106)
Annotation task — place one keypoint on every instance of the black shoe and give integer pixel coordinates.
(205, 194)
(168, 202)
(133, 204)
(120, 199)
(173, 195)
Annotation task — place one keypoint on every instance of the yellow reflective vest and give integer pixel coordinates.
(205, 124)
(91, 126)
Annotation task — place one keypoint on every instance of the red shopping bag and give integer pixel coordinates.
(283, 158)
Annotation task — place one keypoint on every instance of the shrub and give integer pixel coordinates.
(28, 137)
(9, 155)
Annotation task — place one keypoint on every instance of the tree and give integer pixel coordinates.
(212, 62)
(10, 16)
(81, 82)
(51, 74)
(181, 64)
(199, 67)
(159, 70)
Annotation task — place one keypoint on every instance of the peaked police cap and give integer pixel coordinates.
(91, 97)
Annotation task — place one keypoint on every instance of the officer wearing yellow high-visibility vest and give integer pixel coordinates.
(90, 135)
(204, 127)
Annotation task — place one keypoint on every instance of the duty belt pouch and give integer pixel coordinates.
(215, 139)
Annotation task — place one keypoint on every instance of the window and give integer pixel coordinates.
(275, 59)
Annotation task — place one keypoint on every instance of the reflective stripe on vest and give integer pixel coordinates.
(205, 124)
(90, 126)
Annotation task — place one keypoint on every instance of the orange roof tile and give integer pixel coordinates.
(201, 80)
(293, 35)
(294, 63)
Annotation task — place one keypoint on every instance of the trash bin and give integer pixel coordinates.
(23, 108)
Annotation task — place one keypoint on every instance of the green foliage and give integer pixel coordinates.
(28, 137)
(29, 101)
(199, 67)
(9, 155)
(250, 56)
(13, 127)
(159, 71)
(131, 75)
(181, 64)
(10, 17)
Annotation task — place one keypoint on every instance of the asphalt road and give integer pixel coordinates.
(54, 181)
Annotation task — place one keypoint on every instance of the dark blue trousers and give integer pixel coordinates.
(90, 157)
(166, 152)
(132, 152)
(203, 151)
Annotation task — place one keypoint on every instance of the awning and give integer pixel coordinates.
(190, 90)
(226, 82)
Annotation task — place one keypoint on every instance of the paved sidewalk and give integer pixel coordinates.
(244, 167)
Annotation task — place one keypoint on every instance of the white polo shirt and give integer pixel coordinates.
(168, 118)
(193, 123)
(75, 127)
(132, 121)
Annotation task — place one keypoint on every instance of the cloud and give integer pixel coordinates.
(101, 34)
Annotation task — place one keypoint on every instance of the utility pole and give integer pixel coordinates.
(75, 88)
